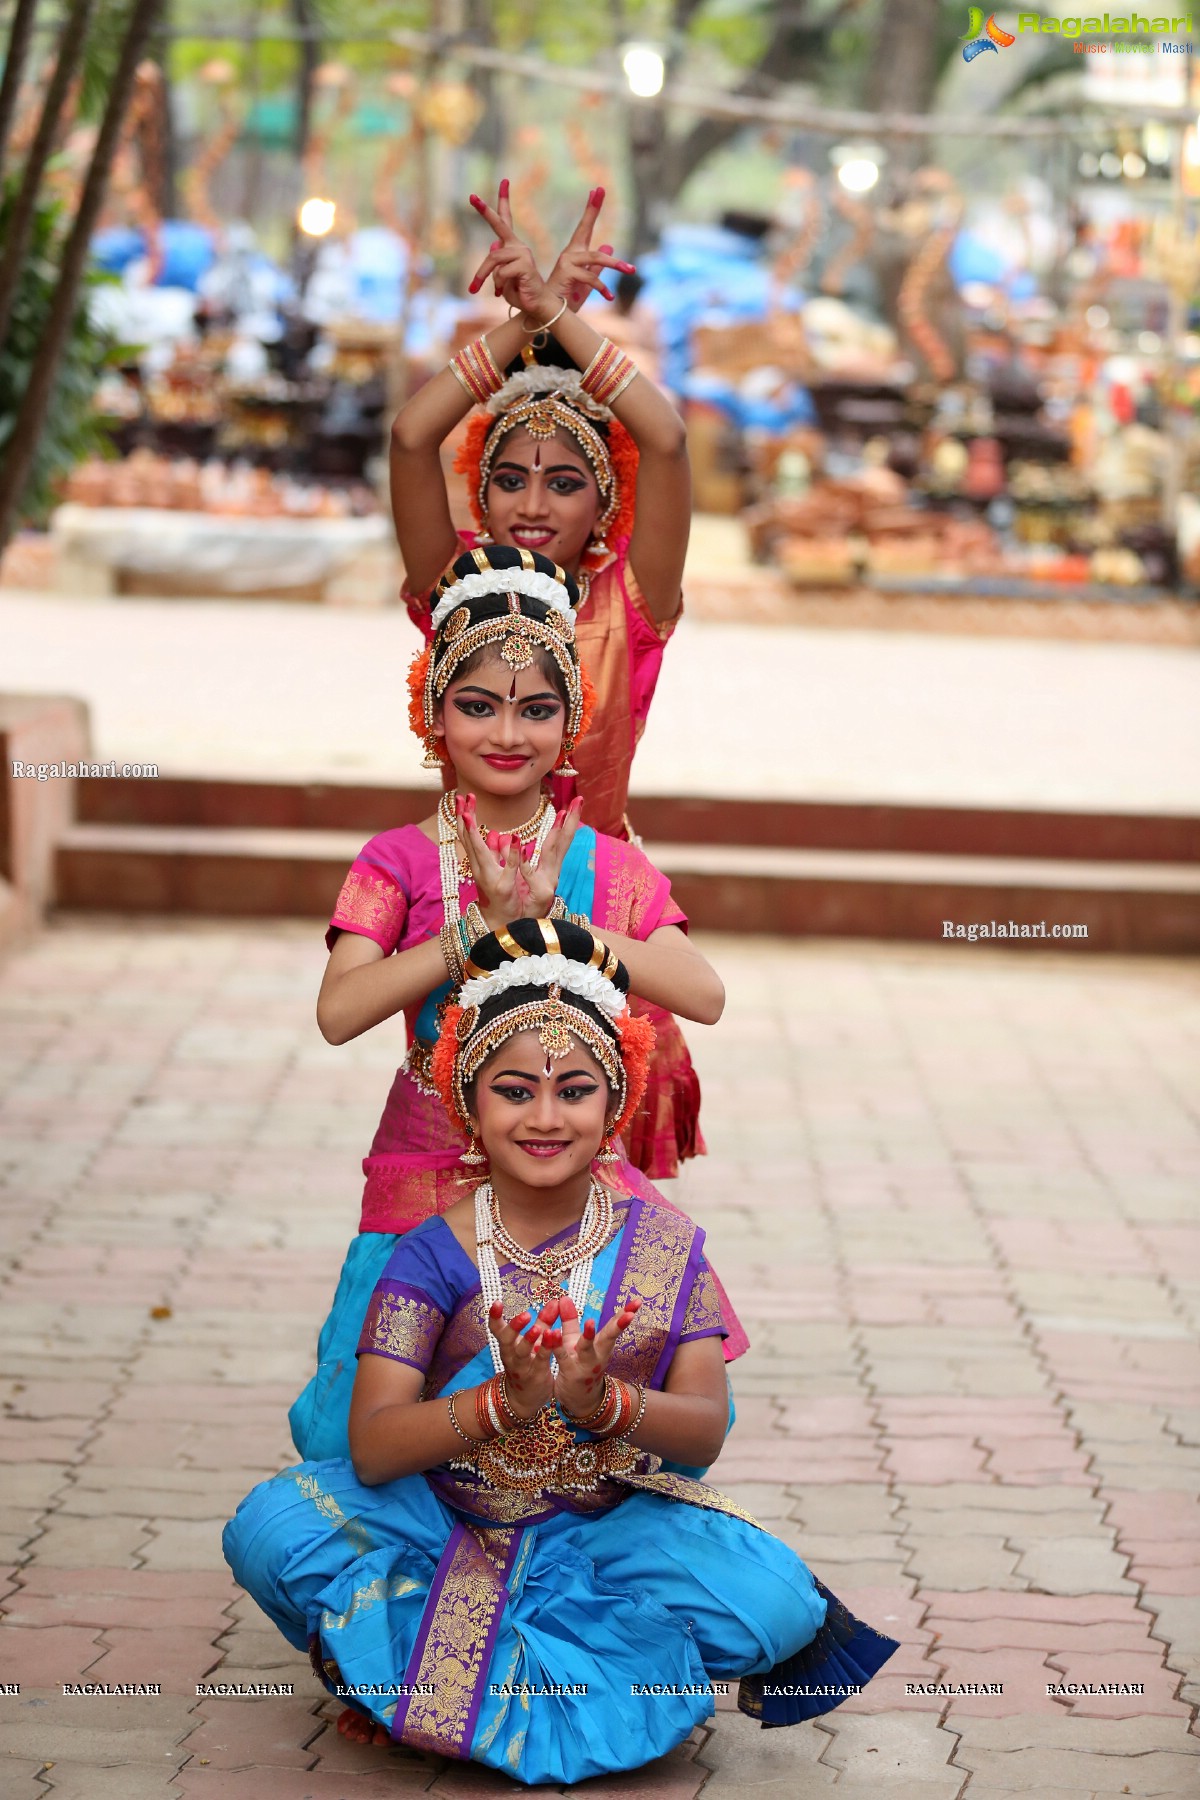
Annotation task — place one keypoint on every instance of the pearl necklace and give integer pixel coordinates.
(595, 1228)
(452, 862)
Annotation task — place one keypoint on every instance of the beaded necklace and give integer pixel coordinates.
(548, 1267)
(452, 861)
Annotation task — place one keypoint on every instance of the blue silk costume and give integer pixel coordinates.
(556, 1635)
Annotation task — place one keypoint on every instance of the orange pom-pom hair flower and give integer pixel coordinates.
(636, 1037)
(443, 1059)
(619, 448)
(635, 1044)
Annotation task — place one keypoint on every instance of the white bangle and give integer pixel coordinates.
(515, 312)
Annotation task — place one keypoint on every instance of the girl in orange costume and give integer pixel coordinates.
(566, 461)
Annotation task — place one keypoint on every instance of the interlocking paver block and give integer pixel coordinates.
(238, 1734)
(1095, 1753)
(97, 1729)
(1075, 1566)
(122, 1781)
(266, 1783)
(1116, 1670)
(964, 1263)
(22, 1778)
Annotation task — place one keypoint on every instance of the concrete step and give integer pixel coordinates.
(182, 800)
(231, 871)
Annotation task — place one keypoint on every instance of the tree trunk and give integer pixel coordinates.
(70, 49)
(36, 398)
(902, 76)
(662, 161)
(167, 197)
(310, 54)
(14, 67)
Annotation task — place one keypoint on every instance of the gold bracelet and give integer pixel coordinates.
(466, 1438)
(605, 1401)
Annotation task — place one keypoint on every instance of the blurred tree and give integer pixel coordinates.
(68, 55)
(772, 42)
(71, 429)
(138, 20)
(16, 50)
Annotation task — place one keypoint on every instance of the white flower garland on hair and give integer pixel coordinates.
(546, 971)
(546, 379)
(531, 582)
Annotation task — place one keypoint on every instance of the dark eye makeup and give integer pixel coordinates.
(536, 711)
(519, 1092)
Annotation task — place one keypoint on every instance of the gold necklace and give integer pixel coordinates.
(549, 1266)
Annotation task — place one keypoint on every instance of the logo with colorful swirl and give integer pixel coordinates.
(984, 37)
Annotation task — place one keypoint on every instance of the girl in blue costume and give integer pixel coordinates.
(504, 1572)
(499, 697)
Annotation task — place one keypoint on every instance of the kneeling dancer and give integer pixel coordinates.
(503, 1572)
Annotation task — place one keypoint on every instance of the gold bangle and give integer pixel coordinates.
(465, 1436)
(605, 1399)
(462, 381)
(629, 375)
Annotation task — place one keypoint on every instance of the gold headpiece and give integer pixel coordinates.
(556, 1022)
(459, 632)
(542, 415)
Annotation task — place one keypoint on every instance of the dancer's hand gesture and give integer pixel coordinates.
(536, 888)
(496, 865)
(528, 1381)
(509, 262)
(583, 1356)
(576, 274)
(510, 265)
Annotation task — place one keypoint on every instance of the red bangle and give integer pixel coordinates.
(618, 1412)
(482, 1413)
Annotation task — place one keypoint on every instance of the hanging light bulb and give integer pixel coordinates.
(645, 69)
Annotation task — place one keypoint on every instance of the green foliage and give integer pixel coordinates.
(110, 21)
(72, 431)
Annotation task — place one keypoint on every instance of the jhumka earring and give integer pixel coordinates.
(607, 1153)
(565, 766)
(484, 534)
(431, 760)
(473, 1154)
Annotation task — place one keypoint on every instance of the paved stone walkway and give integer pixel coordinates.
(953, 1193)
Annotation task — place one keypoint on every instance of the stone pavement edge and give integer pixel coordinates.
(953, 1194)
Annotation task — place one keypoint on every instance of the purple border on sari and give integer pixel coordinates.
(460, 1745)
(617, 1285)
(695, 1256)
